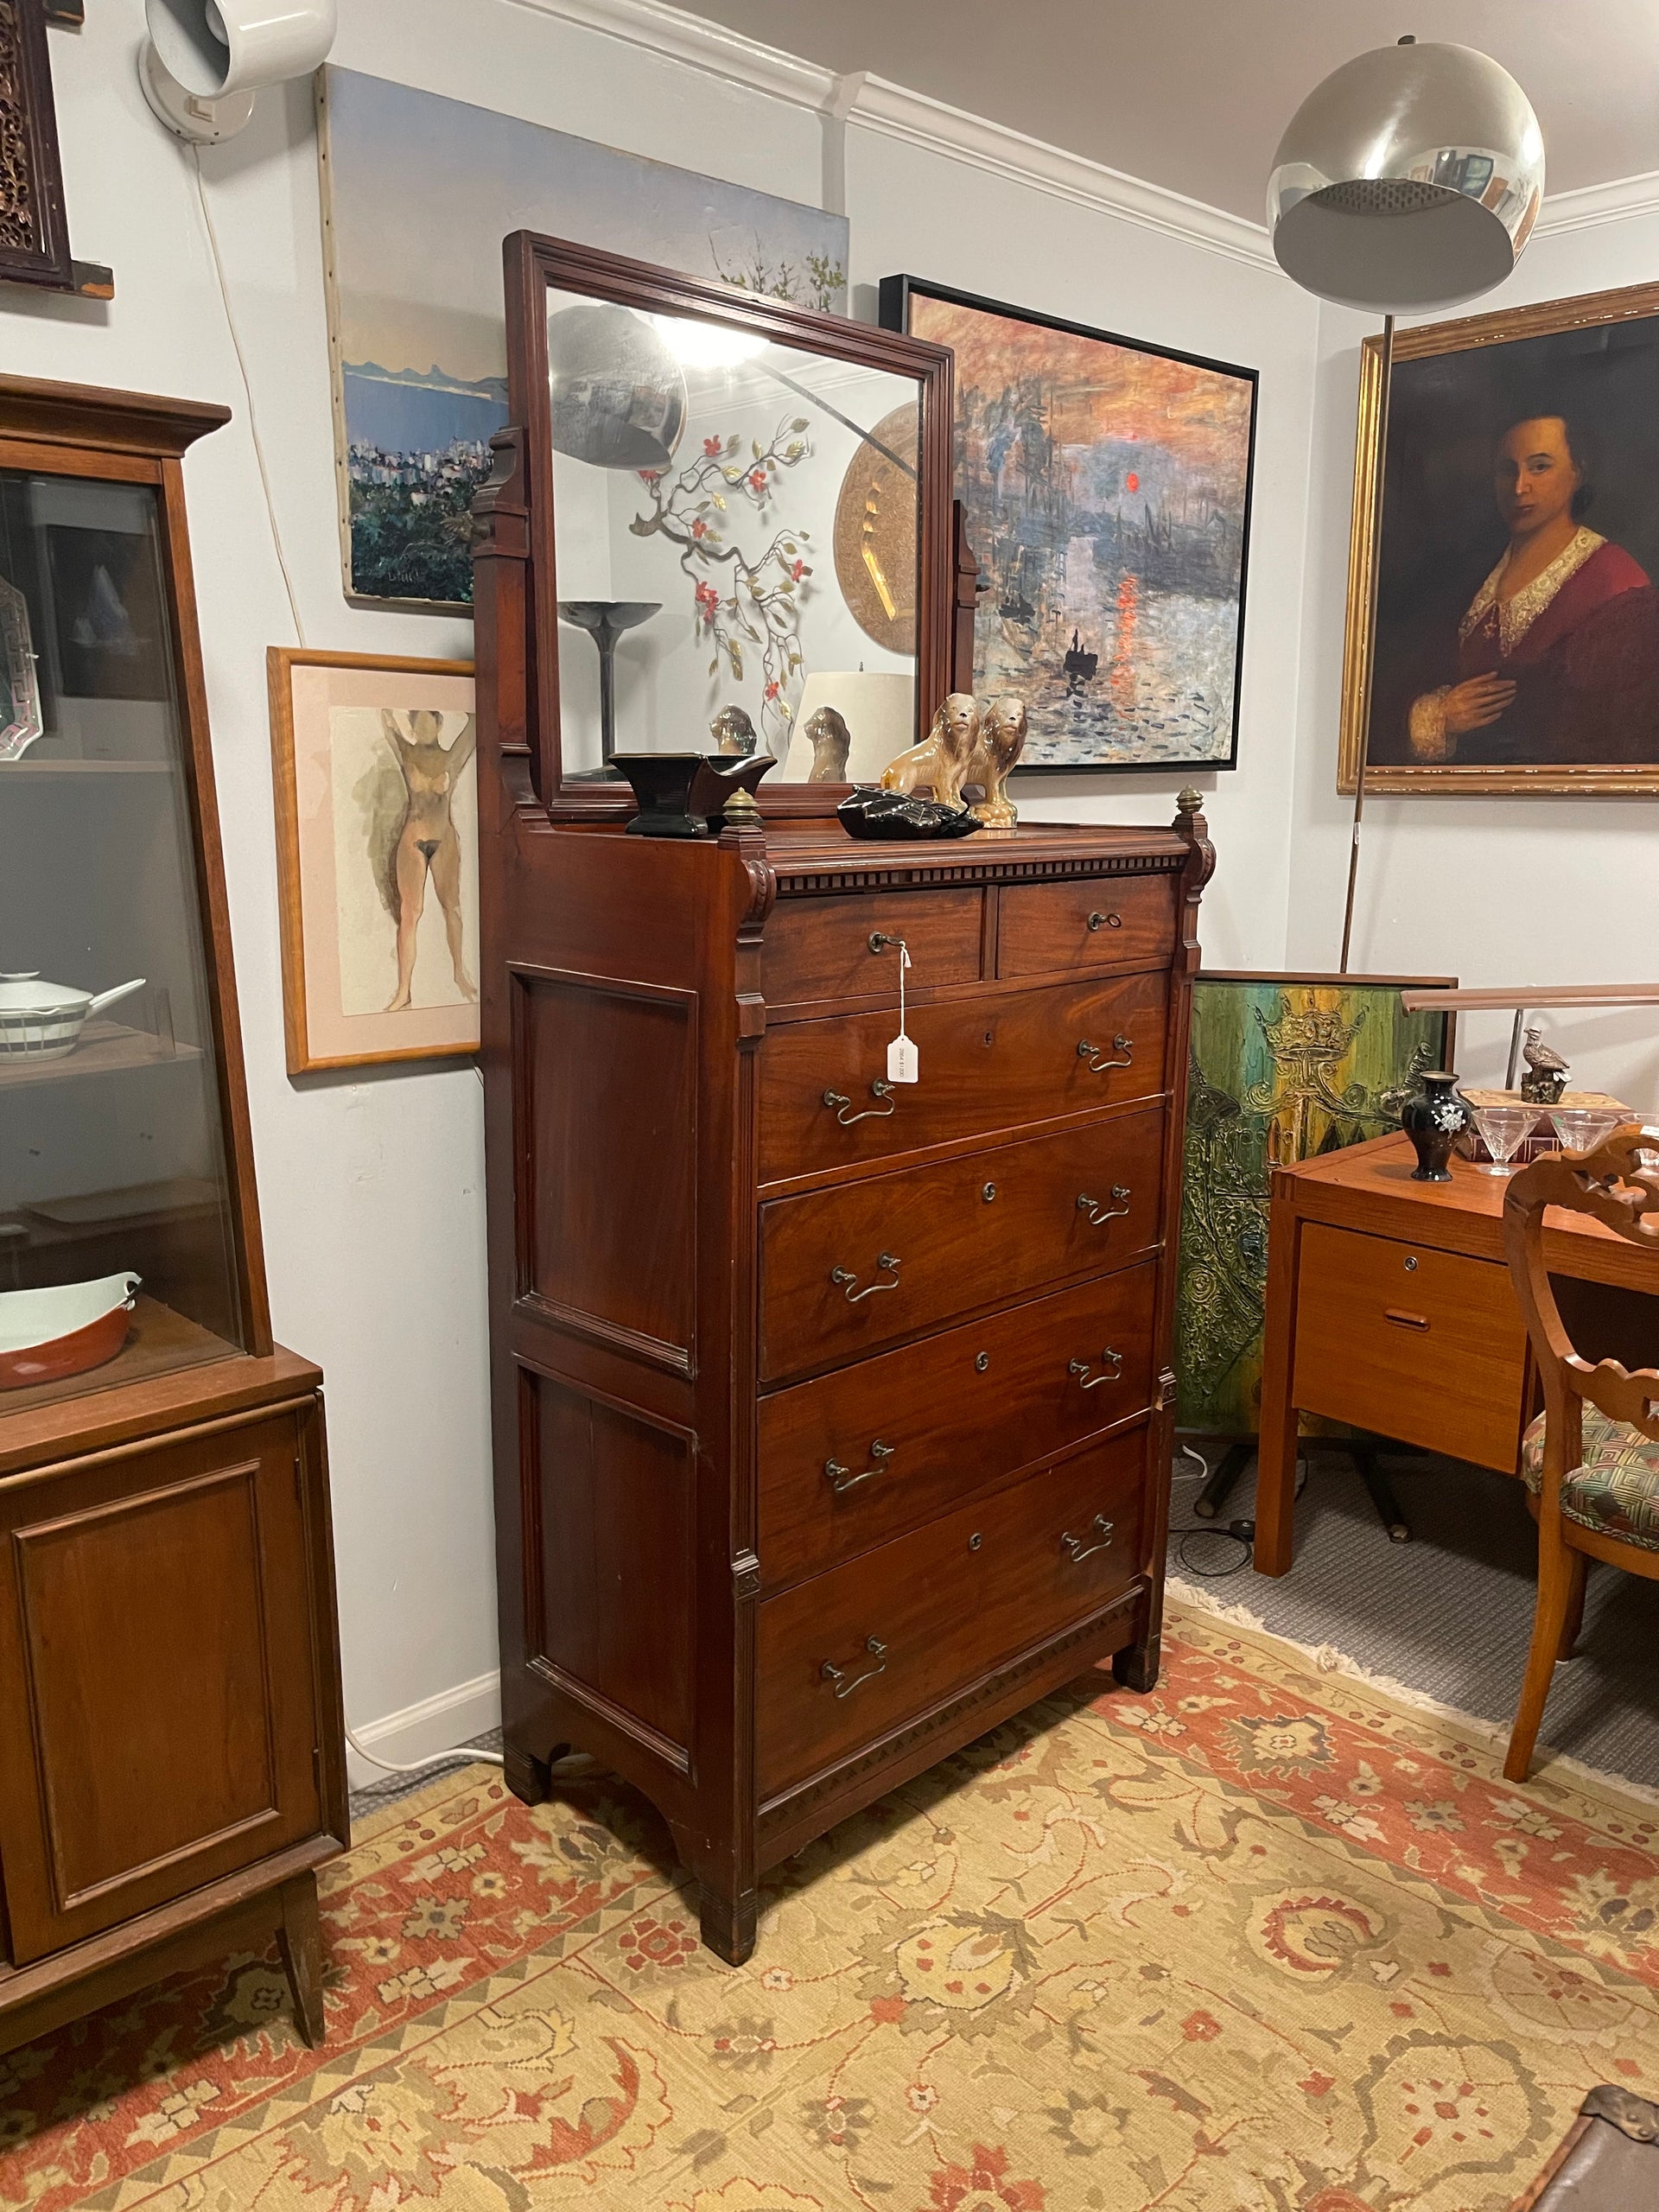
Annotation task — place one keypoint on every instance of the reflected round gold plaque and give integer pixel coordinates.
(876, 533)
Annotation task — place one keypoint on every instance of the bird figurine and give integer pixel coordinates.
(1546, 1072)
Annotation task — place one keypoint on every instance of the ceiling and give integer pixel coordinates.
(1193, 94)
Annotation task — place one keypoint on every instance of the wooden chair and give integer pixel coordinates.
(1591, 1459)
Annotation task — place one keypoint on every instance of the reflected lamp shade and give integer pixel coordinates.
(618, 396)
(1411, 178)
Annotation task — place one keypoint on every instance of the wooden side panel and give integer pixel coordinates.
(608, 1141)
(158, 1710)
(612, 1508)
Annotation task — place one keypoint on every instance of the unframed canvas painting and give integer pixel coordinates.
(1282, 1068)
(1106, 492)
(419, 192)
(376, 810)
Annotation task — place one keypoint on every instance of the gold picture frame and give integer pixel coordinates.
(1468, 335)
(360, 821)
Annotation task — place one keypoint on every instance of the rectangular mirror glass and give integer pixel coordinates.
(736, 542)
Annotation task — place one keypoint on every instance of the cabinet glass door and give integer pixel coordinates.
(112, 1153)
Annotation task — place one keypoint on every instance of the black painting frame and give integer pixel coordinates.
(896, 293)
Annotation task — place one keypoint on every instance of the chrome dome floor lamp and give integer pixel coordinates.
(1410, 179)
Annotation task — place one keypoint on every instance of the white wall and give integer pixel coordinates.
(1494, 891)
(372, 1189)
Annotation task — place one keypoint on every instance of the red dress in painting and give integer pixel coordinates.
(1581, 643)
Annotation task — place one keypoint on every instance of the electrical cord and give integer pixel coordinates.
(1240, 1532)
(419, 1766)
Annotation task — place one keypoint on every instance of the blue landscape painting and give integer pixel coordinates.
(419, 193)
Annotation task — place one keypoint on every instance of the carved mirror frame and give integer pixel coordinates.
(534, 264)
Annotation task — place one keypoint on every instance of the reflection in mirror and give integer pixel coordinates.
(736, 530)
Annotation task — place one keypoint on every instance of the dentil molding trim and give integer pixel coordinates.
(872, 103)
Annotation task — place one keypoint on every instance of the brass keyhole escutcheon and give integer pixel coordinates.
(974, 1541)
(989, 1036)
(982, 1362)
(988, 1193)
(1411, 1264)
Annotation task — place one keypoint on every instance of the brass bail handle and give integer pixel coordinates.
(844, 1680)
(1079, 1548)
(843, 1279)
(1111, 1366)
(1099, 1214)
(841, 1104)
(1099, 1057)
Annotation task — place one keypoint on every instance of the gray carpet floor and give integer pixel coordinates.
(1449, 1613)
(390, 1788)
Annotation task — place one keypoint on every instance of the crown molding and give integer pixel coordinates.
(912, 116)
(1592, 205)
(872, 103)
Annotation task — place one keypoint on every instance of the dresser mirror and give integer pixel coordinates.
(740, 528)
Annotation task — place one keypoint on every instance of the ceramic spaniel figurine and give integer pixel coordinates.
(1001, 741)
(827, 733)
(943, 762)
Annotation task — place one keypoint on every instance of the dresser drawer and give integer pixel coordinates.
(1115, 921)
(1426, 1346)
(848, 1269)
(858, 1456)
(820, 948)
(986, 1065)
(853, 1653)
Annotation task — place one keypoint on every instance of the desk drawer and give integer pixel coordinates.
(952, 1415)
(1117, 921)
(986, 1065)
(985, 1229)
(1423, 1346)
(930, 1612)
(820, 948)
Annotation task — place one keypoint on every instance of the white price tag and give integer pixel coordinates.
(903, 1061)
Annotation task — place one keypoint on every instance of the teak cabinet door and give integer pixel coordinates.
(158, 1711)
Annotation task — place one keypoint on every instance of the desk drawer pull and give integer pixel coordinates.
(846, 1683)
(1099, 1215)
(1079, 1548)
(841, 1477)
(1404, 1320)
(1098, 921)
(1095, 1055)
(1111, 1366)
(880, 1089)
(843, 1279)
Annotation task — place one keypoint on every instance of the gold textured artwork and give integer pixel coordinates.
(875, 531)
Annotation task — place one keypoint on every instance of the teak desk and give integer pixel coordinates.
(1389, 1307)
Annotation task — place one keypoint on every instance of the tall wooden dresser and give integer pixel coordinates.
(832, 1416)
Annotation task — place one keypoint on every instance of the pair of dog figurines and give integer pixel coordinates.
(972, 742)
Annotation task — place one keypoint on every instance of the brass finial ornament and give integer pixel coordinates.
(1189, 801)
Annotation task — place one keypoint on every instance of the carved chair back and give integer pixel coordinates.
(1617, 1183)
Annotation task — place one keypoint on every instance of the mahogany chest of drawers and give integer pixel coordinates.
(832, 1415)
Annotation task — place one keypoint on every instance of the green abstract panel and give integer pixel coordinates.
(1279, 1070)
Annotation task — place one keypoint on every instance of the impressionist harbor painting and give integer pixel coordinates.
(1106, 489)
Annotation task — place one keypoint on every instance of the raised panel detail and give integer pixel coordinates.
(607, 1133)
(611, 1505)
(144, 1631)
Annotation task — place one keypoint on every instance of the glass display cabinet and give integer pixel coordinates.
(165, 1568)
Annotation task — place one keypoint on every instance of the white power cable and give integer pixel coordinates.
(438, 1759)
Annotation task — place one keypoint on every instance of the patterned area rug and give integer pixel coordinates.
(1264, 1939)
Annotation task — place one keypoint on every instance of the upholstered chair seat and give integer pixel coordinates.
(1616, 1491)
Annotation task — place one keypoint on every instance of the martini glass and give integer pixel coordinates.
(1582, 1128)
(1502, 1131)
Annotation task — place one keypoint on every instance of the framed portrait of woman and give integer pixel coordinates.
(1517, 639)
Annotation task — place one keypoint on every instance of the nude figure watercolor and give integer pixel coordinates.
(377, 784)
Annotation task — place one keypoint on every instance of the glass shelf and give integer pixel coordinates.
(113, 1156)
